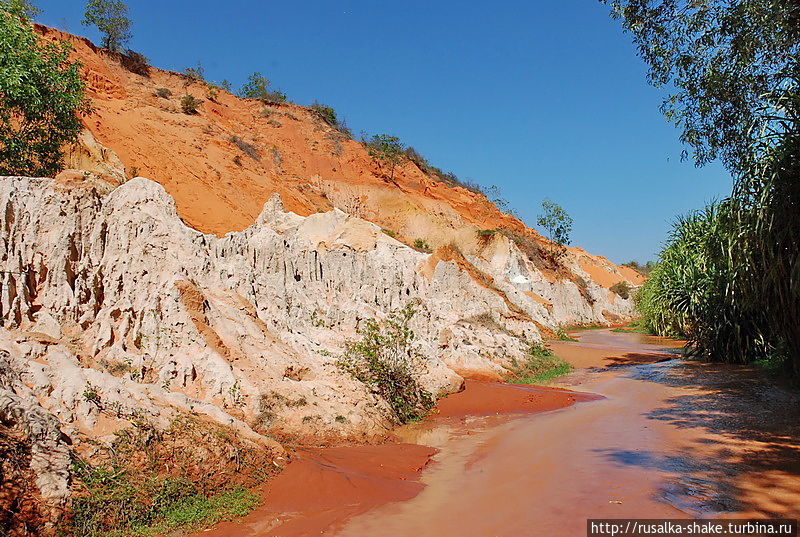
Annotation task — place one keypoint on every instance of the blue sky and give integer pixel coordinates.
(543, 99)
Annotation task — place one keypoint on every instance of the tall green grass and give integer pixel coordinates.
(728, 279)
(541, 366)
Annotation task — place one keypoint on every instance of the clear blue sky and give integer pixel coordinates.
(543, 99)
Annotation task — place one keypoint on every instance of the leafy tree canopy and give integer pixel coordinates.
(386, 149)
(22, 8)
(111, 18)
(556, 221)
(730, 63)
(41, 95)
(257, 87)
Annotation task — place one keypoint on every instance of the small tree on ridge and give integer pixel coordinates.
(386, 149)
(111, 18)
(556, 221)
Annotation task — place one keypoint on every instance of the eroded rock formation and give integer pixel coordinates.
(113, 310)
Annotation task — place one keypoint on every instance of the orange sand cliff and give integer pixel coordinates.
(219, 188)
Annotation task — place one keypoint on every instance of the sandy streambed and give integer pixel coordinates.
(652, 437)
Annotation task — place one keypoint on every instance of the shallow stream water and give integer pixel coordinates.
(667, 439)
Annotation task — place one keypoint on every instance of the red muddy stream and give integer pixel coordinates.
(651, 436)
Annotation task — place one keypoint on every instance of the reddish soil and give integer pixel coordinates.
(669, 439)
(223, 163)
(494, 398)
(323, 488)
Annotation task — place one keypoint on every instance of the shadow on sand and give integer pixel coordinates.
(750, 441)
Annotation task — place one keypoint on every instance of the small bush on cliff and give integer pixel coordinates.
(621, 288)
(247, 148)
(258, 87)
(196, 73)
(189, 104)
(384, 358)
(41, 96)
(329, 116)
(422, 245)
(326, 113)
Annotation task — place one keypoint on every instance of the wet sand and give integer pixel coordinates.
(662, 437)
(322, 488)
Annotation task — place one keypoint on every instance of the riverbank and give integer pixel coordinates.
(322, 488)
(662, 437)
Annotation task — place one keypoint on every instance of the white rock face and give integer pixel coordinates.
(113, 309)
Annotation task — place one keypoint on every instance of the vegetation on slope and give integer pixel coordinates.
(41, 96)
(729, 277)
(385, 359)
(541, 367)
(151, 482)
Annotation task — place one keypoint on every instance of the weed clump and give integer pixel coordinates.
(541, 366)
(189, 104)
(621, 288)
(422, 245)
(152, 482)
(385, 359)
(562, 335)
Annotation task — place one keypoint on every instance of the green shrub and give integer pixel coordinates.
(41, 97)
(189, 104)
(329, 116)
(541, 366)
(561, 335)
(384, 358)
(487, 232)
(422, 245)
(621, 288)
(326, 113)
(258, 87)
(164, 93)
(196, 73)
